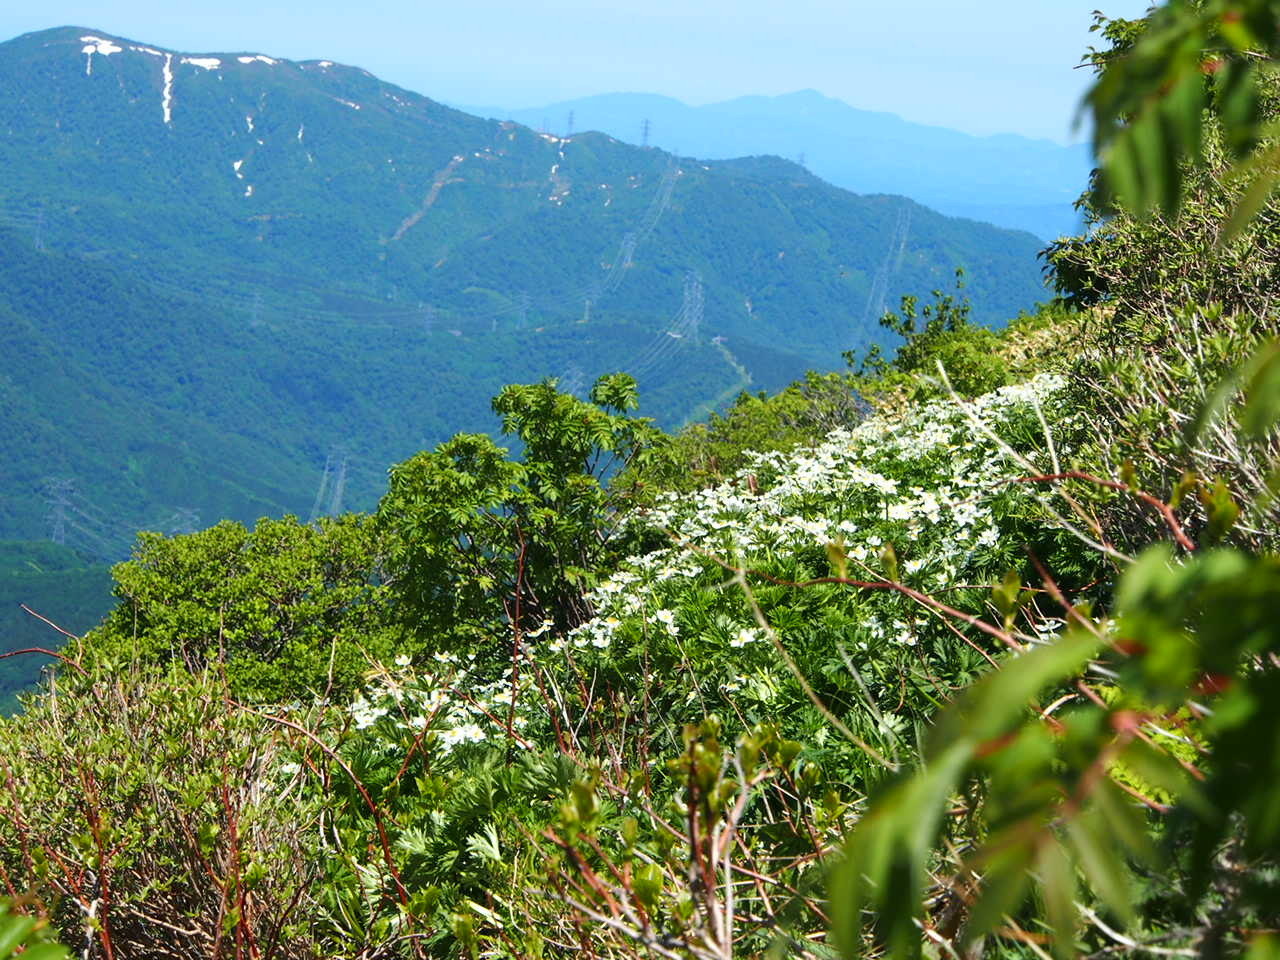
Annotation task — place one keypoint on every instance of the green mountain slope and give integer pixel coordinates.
(219, 272)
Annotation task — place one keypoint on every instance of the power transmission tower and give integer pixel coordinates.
(586, 310)
(428, 318)
(339, 488)
(644, 133)
(523, 303)
(800, 160)
(694, 302)
(57, 496)
(569, 127)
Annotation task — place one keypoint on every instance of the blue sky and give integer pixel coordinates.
(992, 67)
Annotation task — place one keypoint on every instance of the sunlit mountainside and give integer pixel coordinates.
(256, 260)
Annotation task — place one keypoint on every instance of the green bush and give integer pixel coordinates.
(287, 610)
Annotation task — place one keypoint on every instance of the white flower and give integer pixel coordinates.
(748, 635)
(668, 620)
(402, 660)
(542, 628)
(364, 714)
(899, 511)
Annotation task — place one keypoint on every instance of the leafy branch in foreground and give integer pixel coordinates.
(1188, 60)
(1135, 752)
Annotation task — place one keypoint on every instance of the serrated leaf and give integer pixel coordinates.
(1163, 772)
(1124, 818)
(992, 706)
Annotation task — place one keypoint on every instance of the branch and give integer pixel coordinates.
(1170, 519)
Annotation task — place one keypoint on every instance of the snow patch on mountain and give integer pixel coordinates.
(166, 96)
(97, 45)
(204, 63)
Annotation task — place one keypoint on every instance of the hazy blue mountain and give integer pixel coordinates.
(1008, 180)
(225, 278)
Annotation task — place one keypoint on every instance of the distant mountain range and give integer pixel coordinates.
(1007, 180)
(233, 285)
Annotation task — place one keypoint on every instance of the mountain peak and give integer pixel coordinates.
(91, 42)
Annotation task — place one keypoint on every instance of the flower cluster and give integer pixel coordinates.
(930, 484)
(441, 702)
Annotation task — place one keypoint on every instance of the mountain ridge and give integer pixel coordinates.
(1011, 180)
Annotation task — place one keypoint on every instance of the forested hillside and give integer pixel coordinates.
(290, 258)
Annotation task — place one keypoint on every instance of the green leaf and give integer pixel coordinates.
(1264, 947)
(1058, 888)
(1005, 879)
(647, 885)
(1262, 403)
(1101, 863)
(1164, 773)
(46, 951)
(990, 708)
(14, 930)
(889, 559)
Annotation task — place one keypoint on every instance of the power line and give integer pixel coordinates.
(326, 477)
(572, 380)
(183, 520)
(333, 485)
(248, 294)
(876, 296)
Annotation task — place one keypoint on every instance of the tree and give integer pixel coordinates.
(481, 538)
